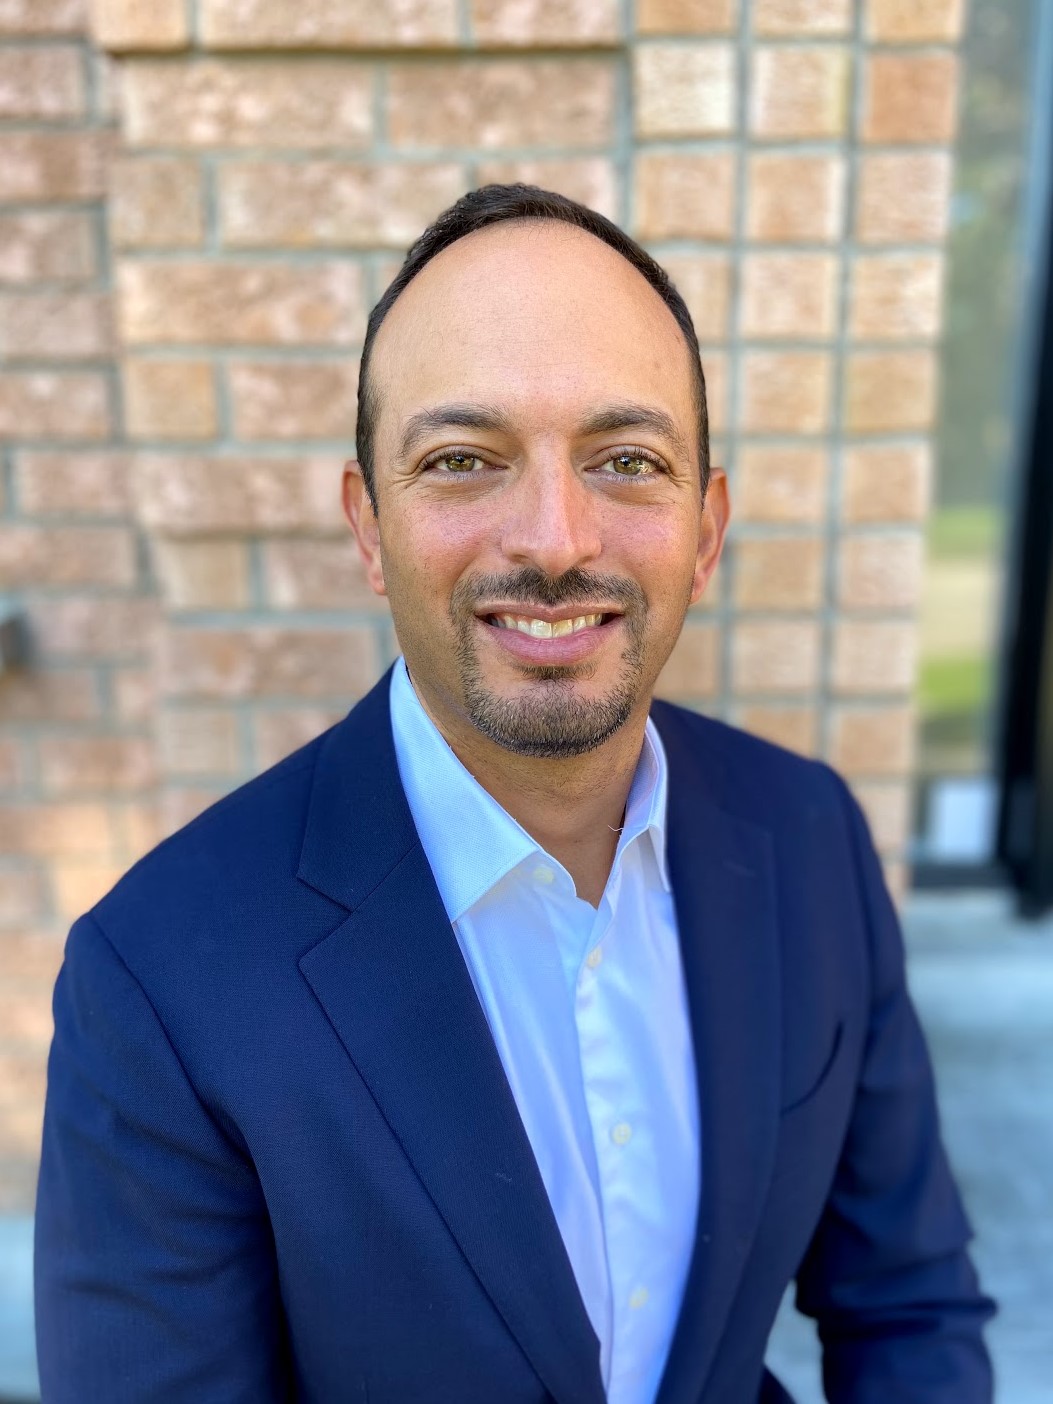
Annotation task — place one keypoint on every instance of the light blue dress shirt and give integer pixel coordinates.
(588, 1011)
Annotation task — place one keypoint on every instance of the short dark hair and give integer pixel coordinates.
(493, 204)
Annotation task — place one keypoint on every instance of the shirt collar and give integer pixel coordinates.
(470, 841)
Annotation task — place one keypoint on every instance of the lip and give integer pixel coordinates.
(563, 650)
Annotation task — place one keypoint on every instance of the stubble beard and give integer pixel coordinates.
(551, 721)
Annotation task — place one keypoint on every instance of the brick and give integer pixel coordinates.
(686, 16)
(312, 574)
(715, 369)
(52, 244)
(822, 17)
(79, 885)
(30, 960)
(688, 195)
(180, 803)
(43, 166)
(872, 740)
(129, 24)
(903, 198)
(546, 23)
(795, 199)
(773, 483)
(693, 669)
(684, 89)
(42, 84)
(910, 98)
(775, 657)
(203, 574)
(79, 765)
(22, 1083)
(53, 830)
(592, 180)
(12, 764)
(887, 806)
(78, 483)
(22, 903)
(236, 304)
(277, 734)
(789, 295)
(22, 18)
(67, 325)
(304, 204)
(338, 24)
(103, 627)
(484, 104)
(880, 572)
(785, 391)
(914, 21)
(181, 494)
(795, 728)
(888, 390)
(704, 282)
(264, 661)
(778, 573)
(156, 202)
(137, 825)
(134, 694)
(896, 297)
(874, 656)
(290, 400)
(799, 92)
(54, 405)
(58, 555)
(169, 399)
(18, 1184)
(197, 741)
(56, 695)
(887, 483)
(232, 102)
(25, 1006)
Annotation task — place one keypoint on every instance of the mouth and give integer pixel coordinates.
(538, 628)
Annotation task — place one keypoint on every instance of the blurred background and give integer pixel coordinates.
(199, 202)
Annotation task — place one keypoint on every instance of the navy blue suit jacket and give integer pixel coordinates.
(281, 1160)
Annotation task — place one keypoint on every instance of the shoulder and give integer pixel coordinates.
(745, 775)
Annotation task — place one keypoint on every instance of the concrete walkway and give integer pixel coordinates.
(983, 983)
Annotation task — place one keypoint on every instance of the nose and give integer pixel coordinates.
(553, 519)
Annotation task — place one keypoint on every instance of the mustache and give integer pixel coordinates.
(530, 585)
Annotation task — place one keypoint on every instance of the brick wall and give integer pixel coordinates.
(198, 205)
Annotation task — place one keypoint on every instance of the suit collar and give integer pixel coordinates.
(395, 987)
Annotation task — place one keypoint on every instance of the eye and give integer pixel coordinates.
(456, 462)
(632, 463)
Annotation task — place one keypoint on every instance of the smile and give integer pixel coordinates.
(545, 628)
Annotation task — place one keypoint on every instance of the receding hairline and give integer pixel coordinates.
(524, 222)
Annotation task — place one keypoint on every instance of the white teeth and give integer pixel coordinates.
(548, 629)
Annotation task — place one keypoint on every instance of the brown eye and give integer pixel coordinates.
(459, 462)
(631, 465)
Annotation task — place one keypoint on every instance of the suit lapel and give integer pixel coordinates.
(393, 982)
(721, 872)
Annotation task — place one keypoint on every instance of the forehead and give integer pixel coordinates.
(538, 317)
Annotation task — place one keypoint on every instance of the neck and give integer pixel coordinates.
(573, 807)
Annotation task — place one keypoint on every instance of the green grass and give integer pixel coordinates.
(954, 685)
(966, 532)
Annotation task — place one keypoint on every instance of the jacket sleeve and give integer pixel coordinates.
(155, 1270)
(887, 1276)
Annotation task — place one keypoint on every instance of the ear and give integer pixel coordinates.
(716, 513)
(362, 518)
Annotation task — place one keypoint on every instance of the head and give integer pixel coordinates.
(532, 489)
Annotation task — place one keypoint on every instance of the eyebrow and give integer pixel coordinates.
(608, 420)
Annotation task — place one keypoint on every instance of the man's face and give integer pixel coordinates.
(539, 527)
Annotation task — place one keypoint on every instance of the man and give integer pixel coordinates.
(516, 1040)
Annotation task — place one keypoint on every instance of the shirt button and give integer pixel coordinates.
(544, 875)
(638, 1298)
(621, 1133)
(594, 957)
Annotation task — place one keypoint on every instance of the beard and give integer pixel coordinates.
(551, 721)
